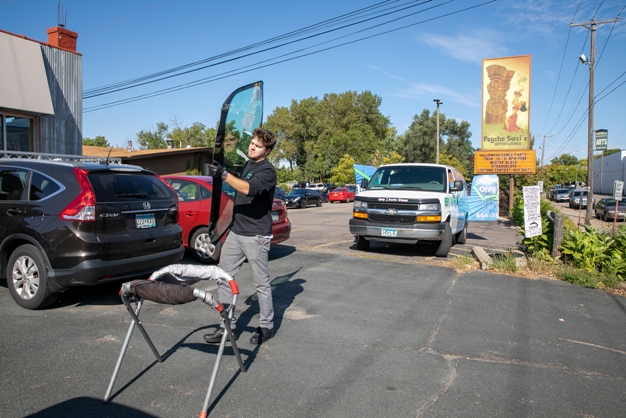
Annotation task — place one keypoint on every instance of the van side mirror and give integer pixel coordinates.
(458, 186)
(363, 184)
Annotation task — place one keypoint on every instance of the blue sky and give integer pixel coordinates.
(434, 54)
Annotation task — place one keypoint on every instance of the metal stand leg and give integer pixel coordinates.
(134, 321)
(220, 351)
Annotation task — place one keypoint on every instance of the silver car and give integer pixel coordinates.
(578, 198)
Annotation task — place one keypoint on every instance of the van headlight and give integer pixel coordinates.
(430, 206)
(359, 204)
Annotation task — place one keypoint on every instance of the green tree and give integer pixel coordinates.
(314, 135)
(343, 173)
(193, 136)
(607, 152)
(565, 159)
(98, 141)
(419, 143)
(153, 139)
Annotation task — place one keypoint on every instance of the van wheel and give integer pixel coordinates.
(461, 237)
(201, 239)
(361, 243)
(27, 278)
(442, 248)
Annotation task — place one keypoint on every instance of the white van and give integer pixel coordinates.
(407, 203)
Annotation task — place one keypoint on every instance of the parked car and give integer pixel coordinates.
(578, 198)
(194, 195)
(328, 187)
(605, 209)
(560, 195)
(341, 194)
(280, 194)
(72, 223)
(301, 198)
(316, 186)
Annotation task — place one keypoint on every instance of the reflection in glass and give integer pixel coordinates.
(19, 134)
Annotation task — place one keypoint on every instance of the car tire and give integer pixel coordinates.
(362, 244)
(319, 203)
(461, 237)
(199, 239)
(27, 278)
(303, 204)
(605, 217)
(442, 248)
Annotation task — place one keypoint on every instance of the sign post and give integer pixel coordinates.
(532, 211)
(618, 190)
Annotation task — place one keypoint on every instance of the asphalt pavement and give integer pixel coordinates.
(358, 335)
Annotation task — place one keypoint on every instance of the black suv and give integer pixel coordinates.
(65, 224)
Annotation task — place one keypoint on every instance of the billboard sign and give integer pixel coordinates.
(505, 162)
(602, 139)
(506, 104)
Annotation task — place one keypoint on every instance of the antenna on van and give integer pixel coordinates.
(106, 162)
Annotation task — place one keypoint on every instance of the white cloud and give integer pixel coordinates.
(466, 47)
(385, 72)
(421, 90)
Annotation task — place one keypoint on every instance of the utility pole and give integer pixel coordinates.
(439, 102)
(543, 147)
(592, 26)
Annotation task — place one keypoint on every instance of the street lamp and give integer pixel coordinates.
(439, 102)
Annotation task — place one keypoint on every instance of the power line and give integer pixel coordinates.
(255, 66)
(151, 78)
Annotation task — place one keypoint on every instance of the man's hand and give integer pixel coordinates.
(216, 170)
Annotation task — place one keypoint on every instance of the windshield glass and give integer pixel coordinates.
(298, 192)
(409, 177)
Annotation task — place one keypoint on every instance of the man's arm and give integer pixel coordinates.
(238, 184)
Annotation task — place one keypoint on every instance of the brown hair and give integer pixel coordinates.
(266, 137)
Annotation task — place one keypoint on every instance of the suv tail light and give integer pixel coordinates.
(83, 207)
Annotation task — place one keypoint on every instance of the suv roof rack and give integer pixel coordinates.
(59, 157)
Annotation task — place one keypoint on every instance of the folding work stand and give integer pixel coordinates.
(129, 296)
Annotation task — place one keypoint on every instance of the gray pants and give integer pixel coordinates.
(255, 249)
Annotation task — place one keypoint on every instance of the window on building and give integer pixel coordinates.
(18, 134)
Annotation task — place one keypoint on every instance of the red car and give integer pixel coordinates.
(341, 194)
(194, 209)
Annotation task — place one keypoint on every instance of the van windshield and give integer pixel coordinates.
(432, 179)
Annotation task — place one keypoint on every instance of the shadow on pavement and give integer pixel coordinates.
(80, 407)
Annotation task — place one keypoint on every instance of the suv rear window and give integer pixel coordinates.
(111, 186)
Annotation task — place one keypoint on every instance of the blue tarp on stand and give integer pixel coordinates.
(482, 203)
(363, 172)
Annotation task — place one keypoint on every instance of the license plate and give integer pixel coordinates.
(389, 232)
(145, 220)
(274, 216)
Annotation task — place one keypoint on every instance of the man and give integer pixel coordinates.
(251, 232)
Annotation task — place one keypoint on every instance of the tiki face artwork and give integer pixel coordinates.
(499, 84)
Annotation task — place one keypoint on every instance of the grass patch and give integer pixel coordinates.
(506, 262)
(463, 262)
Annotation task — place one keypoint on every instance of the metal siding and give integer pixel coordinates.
(62, 133)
